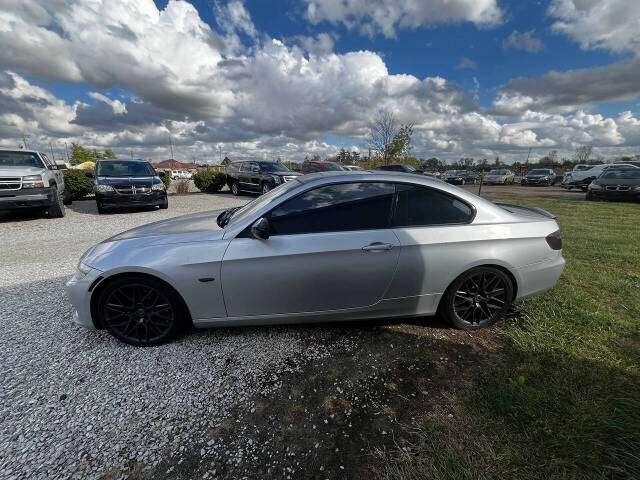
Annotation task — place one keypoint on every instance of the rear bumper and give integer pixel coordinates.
(539, 277)
(26, 198)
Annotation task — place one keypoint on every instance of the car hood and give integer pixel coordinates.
(618, 181)
(19, 171)
(195, 222)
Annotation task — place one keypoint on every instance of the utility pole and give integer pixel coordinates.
(67, 151)
(131, 154)
(220, 153)
(171, 146)
(53, 159)
(25, 137)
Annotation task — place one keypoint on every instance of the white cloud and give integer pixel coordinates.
(117, 106)
(610, 24)
(387, 16)
(522, 41)
(467, 63)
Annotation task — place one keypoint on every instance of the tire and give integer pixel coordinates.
(265, 188)
(165, 204)
(56, 210)
(477, 298)
(101, 209)
(141, 311)
(584, 188)
(66, 198)
(235, 189)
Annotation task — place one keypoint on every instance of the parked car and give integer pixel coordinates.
(257, 177)
(616, 184)
(499, 176)
(352, 168)
(28, 179)
(582, 177)
(539, 176)
(410, 245)
(181, 175)
(461, 177)
(128, 183)
(320, 166)
(400, 168)
(635, 163)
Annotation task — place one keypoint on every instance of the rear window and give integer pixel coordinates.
(423, 206)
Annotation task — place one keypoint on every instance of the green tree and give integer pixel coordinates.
(355, 157)
(108, 153)
(79, 154)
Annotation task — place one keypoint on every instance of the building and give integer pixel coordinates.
(172, 164)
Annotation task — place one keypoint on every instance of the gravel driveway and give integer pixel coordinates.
(269, 402)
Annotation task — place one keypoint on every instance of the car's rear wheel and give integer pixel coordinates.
(140, 311)
(234, 189)
(265, 188)
(477, 298)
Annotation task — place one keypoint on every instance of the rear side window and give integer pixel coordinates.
(422, 206)
(334, 208)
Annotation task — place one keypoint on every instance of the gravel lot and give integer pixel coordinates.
(270, 402)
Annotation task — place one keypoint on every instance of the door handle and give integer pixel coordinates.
(377, 247)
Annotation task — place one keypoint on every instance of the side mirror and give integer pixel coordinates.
(260, 229)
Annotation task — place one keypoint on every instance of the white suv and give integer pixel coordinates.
(28, 179)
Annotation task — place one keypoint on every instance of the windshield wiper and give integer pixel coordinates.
(225, 216)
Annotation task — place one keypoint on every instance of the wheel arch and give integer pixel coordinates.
(106, 281)
(502, 268)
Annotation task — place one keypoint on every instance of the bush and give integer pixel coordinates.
(209, 181)
(77, 183)
(166, 179)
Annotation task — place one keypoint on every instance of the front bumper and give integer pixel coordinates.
(26, 198)
(535, 181)
(114, 199)
(624, 195)
(80, 296)
(455, 181)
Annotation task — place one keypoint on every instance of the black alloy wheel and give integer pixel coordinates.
(139, 311)
(265, 188)
(234, 189)
(478, 298)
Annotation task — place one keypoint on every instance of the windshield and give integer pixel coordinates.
(539, 172)
(20, 159)
(622, 174)
(124, 169)
(579, 168)
(453, 172)
(331, 167)
(498, 172)
(273, 167)
(409, 168)
(255, 205)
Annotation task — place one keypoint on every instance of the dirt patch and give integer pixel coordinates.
(331, 419)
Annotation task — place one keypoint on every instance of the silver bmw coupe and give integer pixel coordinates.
(330, 246)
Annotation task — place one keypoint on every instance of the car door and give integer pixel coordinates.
(57, 174)
(432, 227)
(254, 177)
(243, 176)
(330, 248)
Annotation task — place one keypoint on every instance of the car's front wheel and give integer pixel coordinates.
(140, 311)
(265, 188)
(477, 298)
(56, 210)
(234, 189)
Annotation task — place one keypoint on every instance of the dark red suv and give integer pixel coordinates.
(321, 166)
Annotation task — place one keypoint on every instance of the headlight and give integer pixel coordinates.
(82, 270)
(103, 188)
(32, 181)
(157, 186)
(276, 179)
(594, 186)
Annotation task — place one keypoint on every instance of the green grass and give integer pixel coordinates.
(564, 402)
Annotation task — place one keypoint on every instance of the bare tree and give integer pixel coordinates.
(583, 154)
(382, 135)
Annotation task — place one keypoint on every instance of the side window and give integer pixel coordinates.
(334, 208)
(244, 167)
(422, 206)
(254, 168)
(45, 159)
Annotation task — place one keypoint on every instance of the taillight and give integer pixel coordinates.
(555, 240)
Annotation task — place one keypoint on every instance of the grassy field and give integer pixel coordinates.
(563, 401)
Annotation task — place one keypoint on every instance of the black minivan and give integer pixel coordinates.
(128, 183)
(257, 176)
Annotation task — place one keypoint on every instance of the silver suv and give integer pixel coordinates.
(28, 179)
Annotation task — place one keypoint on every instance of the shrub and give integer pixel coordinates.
(182, 187)
(209, 181)
(78, 183)
(166, 179)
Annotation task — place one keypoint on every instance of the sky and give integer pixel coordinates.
(269, 78)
